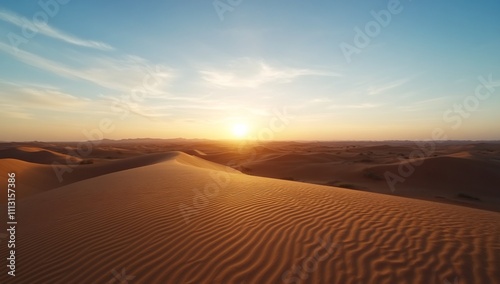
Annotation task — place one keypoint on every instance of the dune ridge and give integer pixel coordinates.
(35, 178)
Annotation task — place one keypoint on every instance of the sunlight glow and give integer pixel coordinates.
(240, 130)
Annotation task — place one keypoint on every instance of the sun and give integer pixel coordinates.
(240, 130)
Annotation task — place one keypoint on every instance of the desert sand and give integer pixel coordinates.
(173, 211)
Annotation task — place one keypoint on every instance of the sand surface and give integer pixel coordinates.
(148, 215)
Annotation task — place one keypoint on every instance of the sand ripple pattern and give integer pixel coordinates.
(253, 231)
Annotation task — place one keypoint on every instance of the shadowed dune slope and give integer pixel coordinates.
(452, 174)
(185, 221)
(455, 174)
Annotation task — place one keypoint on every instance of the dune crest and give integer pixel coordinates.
(36, 178)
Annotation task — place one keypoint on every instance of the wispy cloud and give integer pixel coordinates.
(247, 73)
(425, 104)
(119, 74)
(14, 112)
(375, 90)
(49, 31)
(354, 106)
(20, 101)
(48, 97)
(319, 100)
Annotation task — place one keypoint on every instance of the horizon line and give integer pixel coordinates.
(252, 140)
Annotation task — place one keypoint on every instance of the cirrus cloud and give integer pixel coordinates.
(49, 31)
(247, 73)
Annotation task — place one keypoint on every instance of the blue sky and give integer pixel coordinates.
(185, 69)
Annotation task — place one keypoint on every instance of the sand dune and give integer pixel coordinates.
(439, 174)
(35, 178)
(186, 220)
(195, 152)
(460, 173)
(36, 155)
(456, 172)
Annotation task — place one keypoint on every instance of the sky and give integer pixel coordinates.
(75, 70)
